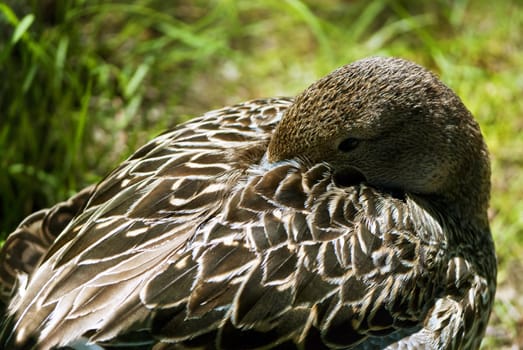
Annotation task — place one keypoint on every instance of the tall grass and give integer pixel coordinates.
(83, 83)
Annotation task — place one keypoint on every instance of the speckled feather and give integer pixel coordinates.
(198, 241)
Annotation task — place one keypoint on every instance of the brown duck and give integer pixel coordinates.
(352, 217)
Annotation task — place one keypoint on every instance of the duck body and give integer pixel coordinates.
(200, 240)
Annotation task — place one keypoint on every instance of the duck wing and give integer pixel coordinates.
(138, 219)
(24, 247)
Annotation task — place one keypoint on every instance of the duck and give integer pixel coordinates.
(352, 216)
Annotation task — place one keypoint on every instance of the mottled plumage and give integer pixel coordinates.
(353, 217)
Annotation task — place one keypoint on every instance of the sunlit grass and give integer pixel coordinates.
(84, 83)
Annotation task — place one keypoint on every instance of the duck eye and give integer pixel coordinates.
(348, 144)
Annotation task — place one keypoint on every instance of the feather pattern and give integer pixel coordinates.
(25, 247)
(198, 241)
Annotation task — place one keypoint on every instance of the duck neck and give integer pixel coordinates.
(467, 204)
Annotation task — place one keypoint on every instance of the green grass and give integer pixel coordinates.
(84, 83)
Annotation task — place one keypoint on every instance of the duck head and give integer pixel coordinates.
(394, 125)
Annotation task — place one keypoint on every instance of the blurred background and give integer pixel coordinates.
(84, 83)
